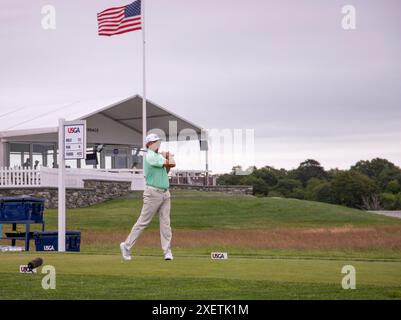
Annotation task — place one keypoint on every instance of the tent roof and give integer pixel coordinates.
(126, 111)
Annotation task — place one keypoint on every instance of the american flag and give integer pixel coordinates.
(120, 20)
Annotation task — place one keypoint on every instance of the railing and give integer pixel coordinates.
(19, 177)
(75, 177)
(193, 177)
(48, 177)
(196, 181)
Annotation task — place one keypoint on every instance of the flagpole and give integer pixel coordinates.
(144, 124)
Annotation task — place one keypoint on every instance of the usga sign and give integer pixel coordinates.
(74, 140)
(219, 255)
(73, 130)
(25, 269)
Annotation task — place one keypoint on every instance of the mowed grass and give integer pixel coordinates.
(82, 276)
(203, 210)
(260, 270)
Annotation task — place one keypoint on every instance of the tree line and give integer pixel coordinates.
(372, 184)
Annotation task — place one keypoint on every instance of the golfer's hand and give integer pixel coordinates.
(165, 154)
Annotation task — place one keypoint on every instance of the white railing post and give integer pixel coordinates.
(21, 177)
(48, 177)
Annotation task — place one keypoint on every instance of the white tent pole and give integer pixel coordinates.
(144, 124)
(2, 155)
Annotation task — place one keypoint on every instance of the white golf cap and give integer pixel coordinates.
(152, 137)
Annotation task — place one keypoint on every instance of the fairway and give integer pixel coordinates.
(81, 276)
(278, 249)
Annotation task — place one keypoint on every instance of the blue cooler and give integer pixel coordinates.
(48, 241)
(22, 209)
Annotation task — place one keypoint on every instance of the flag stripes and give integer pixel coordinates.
(119, 20)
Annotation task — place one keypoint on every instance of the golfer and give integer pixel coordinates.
(156, 198)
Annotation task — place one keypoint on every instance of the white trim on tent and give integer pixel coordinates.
(53, 129)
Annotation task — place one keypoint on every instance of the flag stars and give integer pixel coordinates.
(133, 9)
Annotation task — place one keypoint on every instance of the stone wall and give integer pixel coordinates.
(226, 189)
(94, 191)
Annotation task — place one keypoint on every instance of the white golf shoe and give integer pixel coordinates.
(125, 253)
(168, 256)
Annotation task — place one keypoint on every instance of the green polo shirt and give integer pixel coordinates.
(154, 171)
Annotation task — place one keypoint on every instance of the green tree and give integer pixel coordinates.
(393, 186)
(319, 190)
(298, 193)
(260, 187)
(286, 187)
(350, 187)
(380, 170)
(387, 175)
(268, 174)
(332, 173)
(323, 193)
(311, 186)
(389, 201)
(228, 179)
(309, 169)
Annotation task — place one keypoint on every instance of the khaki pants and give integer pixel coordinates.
(153, 201)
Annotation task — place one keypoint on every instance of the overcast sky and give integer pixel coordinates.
(284, 68)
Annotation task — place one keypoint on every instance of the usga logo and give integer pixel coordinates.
(48, 248)
(25, 269)
(73, 130)
(219, 255)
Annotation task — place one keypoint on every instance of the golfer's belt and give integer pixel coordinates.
(157, 189)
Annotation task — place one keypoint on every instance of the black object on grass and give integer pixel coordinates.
(35, 263)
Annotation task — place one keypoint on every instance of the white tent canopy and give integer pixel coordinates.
(113, 122)
(124, 114)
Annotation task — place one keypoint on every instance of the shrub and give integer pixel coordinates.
(298, 193)
(274, 193)
(287, 186)
(389, 201)
(323, 193)
(350, 187)
(259, 185)
(393, 186)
